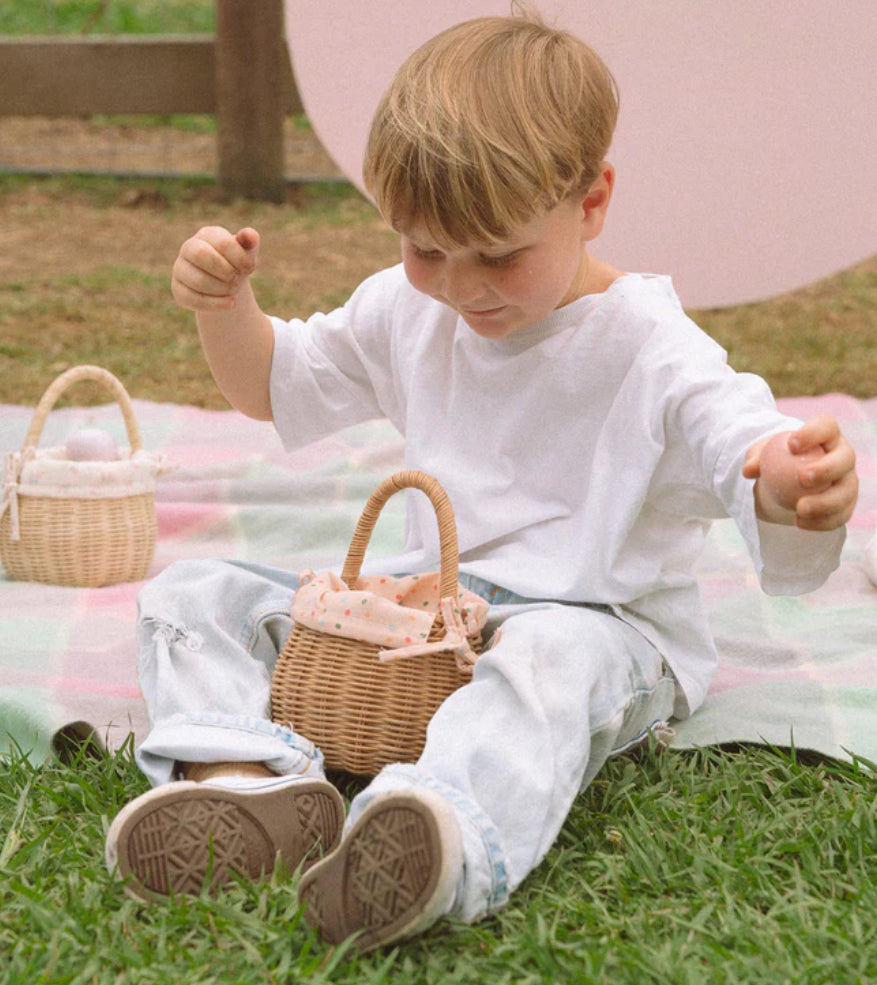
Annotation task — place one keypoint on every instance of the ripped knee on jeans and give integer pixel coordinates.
(169, 634)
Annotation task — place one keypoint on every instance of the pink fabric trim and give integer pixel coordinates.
(396, 614)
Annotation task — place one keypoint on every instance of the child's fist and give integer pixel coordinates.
(780, 469)
(212, 267)
(807, 476)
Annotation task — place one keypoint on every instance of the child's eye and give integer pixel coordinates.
(426, 254)
(503, 260)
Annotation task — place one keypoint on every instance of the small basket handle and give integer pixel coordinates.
(66, 380)
(446, 524)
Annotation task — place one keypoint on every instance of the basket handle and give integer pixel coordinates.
(66, 380)
(446, 524)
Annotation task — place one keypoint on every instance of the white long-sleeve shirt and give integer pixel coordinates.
(584, 456)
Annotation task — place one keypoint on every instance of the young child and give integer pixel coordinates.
(586, 431)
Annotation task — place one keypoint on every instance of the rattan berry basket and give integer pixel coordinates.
(83, 523)
(362, 711)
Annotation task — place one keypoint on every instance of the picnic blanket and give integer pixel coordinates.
(792, 670)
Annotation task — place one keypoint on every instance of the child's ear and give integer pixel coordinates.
(596, 201)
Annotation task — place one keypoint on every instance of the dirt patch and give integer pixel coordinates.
(85, 276)
(40, 145)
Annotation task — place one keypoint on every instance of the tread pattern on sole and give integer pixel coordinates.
(319, 824)
(390, 866)
(176, 846)
(378, 881)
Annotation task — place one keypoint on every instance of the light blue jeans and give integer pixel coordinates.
(563, 688)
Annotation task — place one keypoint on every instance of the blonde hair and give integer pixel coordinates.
(489, 124)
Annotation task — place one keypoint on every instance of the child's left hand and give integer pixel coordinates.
(831, 475)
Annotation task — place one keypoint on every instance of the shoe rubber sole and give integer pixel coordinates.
(389, 878)
(181, 836)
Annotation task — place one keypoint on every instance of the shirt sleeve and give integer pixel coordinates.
(333, 370)
(722, 413)
(796, 561)
(787, 560)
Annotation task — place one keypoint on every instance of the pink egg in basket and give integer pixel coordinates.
(91, 445)
(781, 469)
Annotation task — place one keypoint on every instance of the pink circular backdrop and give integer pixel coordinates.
(746, 149)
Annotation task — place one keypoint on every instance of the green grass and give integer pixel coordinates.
(747, 866)
(77, 17)
(822, 338)
(106, 16)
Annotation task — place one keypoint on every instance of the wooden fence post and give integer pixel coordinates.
(250, 56)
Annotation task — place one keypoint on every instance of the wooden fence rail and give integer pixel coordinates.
(242, 74)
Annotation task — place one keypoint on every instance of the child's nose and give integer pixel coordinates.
(463, 281)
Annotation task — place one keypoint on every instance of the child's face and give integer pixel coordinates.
(503, 288)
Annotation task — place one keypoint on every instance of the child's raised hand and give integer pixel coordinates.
(212, 267)
(806, 477)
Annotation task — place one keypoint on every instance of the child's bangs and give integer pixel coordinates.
(469, 177)
(457, 204)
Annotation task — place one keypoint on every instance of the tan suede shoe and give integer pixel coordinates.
(183, 836)
(394, 874)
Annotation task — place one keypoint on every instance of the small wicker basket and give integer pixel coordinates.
(361, 712)
(77, 539)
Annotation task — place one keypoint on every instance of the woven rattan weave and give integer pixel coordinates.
(78, 541)
(364, 714)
